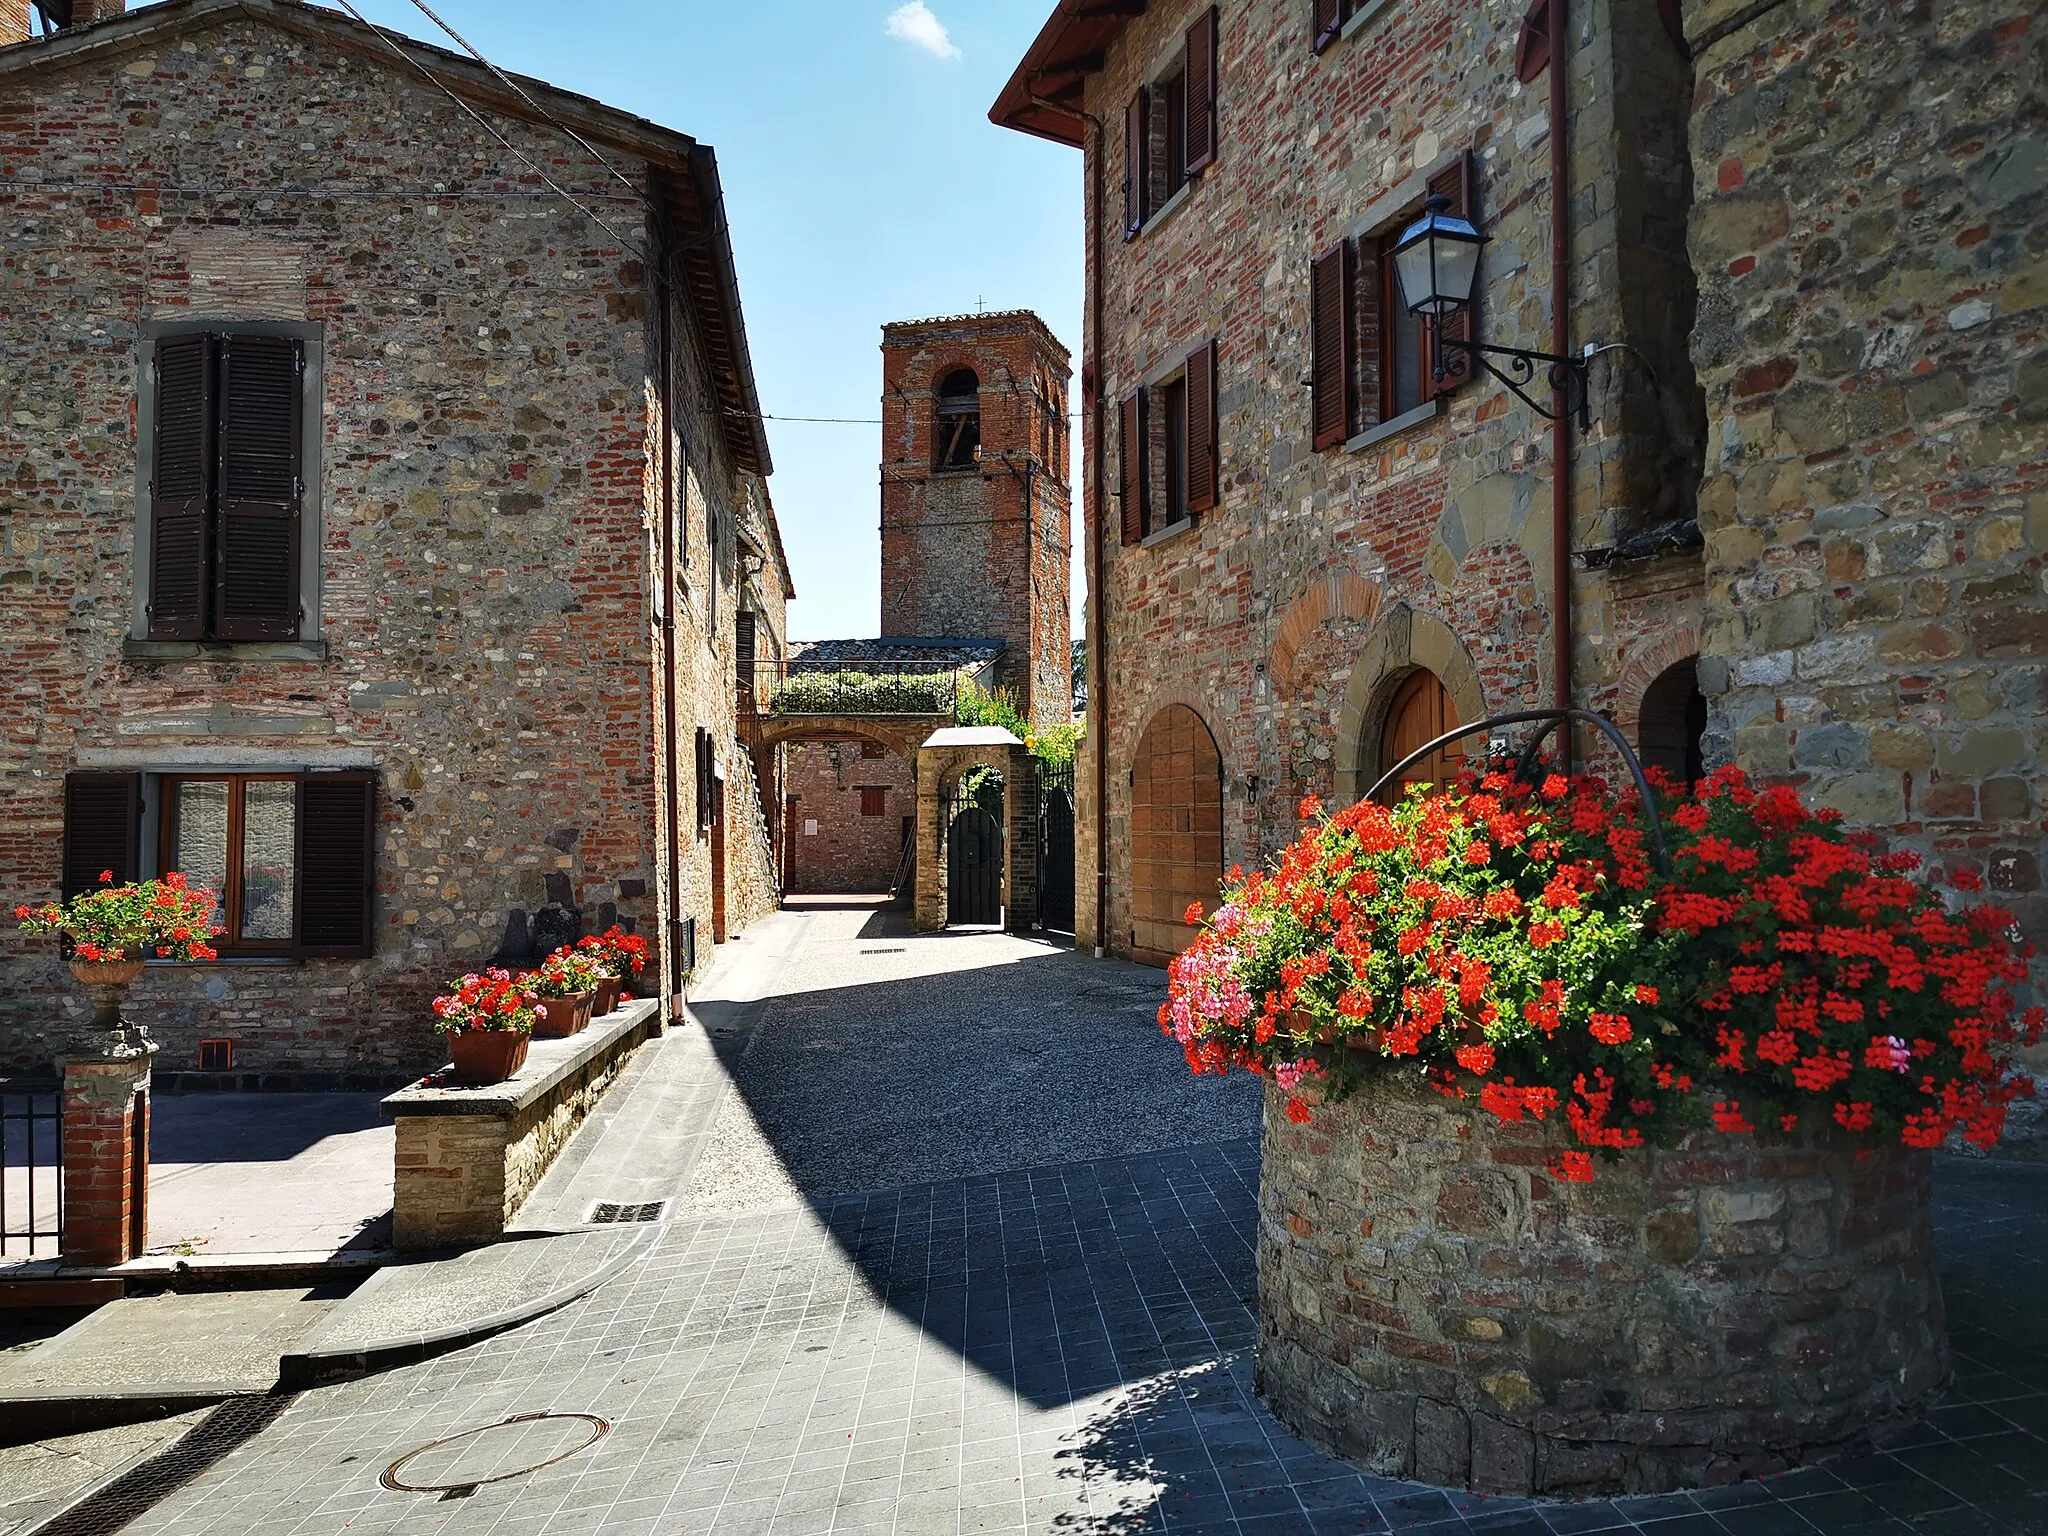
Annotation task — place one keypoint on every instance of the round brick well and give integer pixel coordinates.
(1434, 1305)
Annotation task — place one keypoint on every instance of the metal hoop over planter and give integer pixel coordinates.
(1552, 719)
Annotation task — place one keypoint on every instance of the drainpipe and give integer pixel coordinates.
(665, 546)
(1098, 674)
(1560, 343)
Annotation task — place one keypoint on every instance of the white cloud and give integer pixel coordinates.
(915, 23)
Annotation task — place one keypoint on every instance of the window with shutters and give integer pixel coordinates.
(291, 855)
(874, 800)
(743, 657)
(1170, 126)
(1170, 469)
(1330, 20)
(228, 544)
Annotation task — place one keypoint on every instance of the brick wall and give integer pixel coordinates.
(486, 488)
(850, 851)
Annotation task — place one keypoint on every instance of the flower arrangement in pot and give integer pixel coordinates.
(618, 955)
(1510, 942)
(564, 986)
(487, 1017)
(110, 931)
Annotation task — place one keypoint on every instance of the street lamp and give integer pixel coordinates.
(1437, 263)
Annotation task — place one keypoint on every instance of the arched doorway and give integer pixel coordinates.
(1672, 721)
(1176, 831)
(974, 813)
(1420, 711)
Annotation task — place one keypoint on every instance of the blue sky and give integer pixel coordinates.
(864, 182)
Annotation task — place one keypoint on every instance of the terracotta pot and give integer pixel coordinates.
(486, 1055)
(561, 1017)
(1362, 1040)
(607, 996)
(106, 973)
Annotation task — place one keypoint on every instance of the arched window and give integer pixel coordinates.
(956, 421)
(1672, 720)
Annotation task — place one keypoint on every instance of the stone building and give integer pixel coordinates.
(976, 526)
(1309, 551)
(384, 503)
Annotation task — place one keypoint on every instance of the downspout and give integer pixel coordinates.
(672, 919)
(1098, 674)
(1560, 343)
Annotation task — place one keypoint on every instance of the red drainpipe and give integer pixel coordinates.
(1561, 344)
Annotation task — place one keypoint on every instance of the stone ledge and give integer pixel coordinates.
(549, 1063)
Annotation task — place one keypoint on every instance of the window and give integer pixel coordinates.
(873, 799)
(226, 489)
(1170, 126)
(743, 656)
(872, 750)
(1168, 448)
(216, 1055)
(290, 854)
(1370, 358)
(1328, 18)
(707, 758)
(956, 422)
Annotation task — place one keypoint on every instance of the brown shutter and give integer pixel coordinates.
(102, 825)
(703, 779)
(1135, 483)
(336, 876)
(1201, 78)
(1203, 451)
(181, 489)
(1135, 130)
(743, 653)
(256, 555)
(1328, 22)
(1371, 314)
(1330, 344)
(1454, 182)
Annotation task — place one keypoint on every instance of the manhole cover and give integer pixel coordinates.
(608, 1212)
(459, 1464)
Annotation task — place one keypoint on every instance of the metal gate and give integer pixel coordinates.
(974, 866)
(31, 1165)
(1056, 847)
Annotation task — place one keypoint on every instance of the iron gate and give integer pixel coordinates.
(31, 1164)
(1056, 847)
(974, 850)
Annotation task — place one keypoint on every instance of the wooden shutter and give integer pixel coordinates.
(1203, 451)
(181, 489)
(1136, 481)
(703, 779)
(1328, 21)
(1330, 344)
(336, 876)
(743, 651)
(1136, 128)
(1454, 182)
(256, 553)
(102, 824)
(1201, 78)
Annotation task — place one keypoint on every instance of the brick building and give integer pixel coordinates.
(381, 522)
(975, 522)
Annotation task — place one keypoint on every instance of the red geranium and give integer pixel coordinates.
(491, 999)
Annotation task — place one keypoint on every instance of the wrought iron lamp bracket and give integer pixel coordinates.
(1568, 376)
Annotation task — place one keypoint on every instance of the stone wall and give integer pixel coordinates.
(485, 502)
(1434, 1305)
(1286, 616)
(849, 851)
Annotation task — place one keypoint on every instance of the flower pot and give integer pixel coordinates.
(1359, 1040)
(561, 1017)
(106, 973)
(607, 996)
(486, 1055)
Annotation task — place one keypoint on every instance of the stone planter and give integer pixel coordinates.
(486, 1055)
(108, 981)
(608, 989)
(561, 1017)
(1433, 1305)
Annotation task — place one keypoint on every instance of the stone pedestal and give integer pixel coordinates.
(1433, 1305)
(106, 1148)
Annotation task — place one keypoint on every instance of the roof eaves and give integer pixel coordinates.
(1073, 44)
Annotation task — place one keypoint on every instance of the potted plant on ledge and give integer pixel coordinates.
(487, 1018)
(565, 986)
(1571, 1160)
(618, 955)
(110, 932)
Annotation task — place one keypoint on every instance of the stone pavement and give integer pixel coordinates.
(1065, 1347)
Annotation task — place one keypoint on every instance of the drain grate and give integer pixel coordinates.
(141, 1488)
(899, 950)
(612, 1212)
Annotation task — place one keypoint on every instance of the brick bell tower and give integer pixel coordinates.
(976, 511)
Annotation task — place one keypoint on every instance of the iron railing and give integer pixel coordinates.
(832, 687)
(31, 1165)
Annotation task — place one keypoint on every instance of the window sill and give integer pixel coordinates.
(1167, 209)
(200, 965)
(1362, 18)
(223, 650)
(1394, 426)
(1161, 535)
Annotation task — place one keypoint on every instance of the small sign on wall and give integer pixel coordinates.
(810, 829)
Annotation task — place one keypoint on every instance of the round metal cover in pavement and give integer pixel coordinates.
(493, 1453)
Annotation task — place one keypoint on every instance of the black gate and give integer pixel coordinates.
(1056, 847)
(31, 1165)
(974, 866)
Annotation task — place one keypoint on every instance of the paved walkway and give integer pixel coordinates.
(923, 1340)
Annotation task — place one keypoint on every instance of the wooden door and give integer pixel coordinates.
(1176, 831)
(1421, 712)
